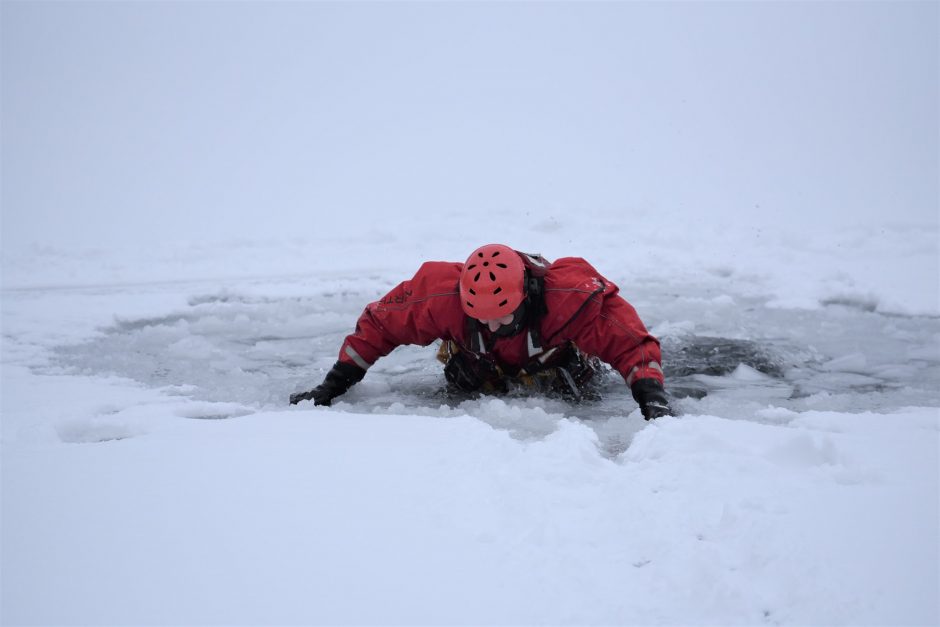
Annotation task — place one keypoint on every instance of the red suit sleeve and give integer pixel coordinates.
(609, 327)
(418, 311)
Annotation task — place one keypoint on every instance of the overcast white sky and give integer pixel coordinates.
(148, 121)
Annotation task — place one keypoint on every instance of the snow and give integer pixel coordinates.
(323, 516)
(171, 273)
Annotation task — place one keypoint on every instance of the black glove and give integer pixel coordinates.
(468, 372)
(340, 378)
(651, 397)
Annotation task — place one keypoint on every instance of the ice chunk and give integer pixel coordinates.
(745, 373)
(853, 362)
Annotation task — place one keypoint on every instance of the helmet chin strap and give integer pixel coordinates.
(517, 325)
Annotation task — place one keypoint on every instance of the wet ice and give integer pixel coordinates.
(729, 356)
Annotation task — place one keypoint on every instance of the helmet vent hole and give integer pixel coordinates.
(495, 254)
(480, 255)
(469, 304)
(503, 304)
(471, 266)
(501, 265)
(492, 277)
(497, 291)
(477, 277)
(486, 264)
(472, 293)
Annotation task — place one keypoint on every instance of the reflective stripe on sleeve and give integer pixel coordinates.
(356, 357)
(653, 365)
(631, 375)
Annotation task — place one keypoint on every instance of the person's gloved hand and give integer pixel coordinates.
(340, 378)
(468, 372)
(652, 399)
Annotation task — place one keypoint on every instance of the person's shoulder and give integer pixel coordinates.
(435, 282)
(436, 278)
(434, 271)
(572, 273)
(440, 267)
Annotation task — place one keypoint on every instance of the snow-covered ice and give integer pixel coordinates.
(153, 473)
(149, 456)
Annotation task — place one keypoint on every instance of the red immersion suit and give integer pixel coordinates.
(581, 307)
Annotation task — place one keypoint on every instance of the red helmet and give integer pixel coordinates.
(492, 282)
